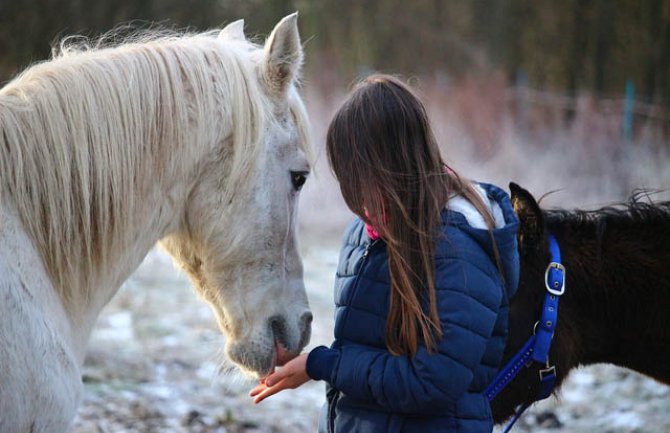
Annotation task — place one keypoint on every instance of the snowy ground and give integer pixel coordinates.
(154, 360)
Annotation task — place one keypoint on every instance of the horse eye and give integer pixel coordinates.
(298, 179)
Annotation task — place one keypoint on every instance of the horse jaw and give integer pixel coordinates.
(263, 315)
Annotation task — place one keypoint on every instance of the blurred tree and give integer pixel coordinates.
(571, 46)
(606, 16)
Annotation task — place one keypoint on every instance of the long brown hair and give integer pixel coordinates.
(383, 152)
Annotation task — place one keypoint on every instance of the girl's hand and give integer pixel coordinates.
(290, 376)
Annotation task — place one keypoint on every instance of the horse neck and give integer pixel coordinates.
(144, 211)
(95, 180)
(617, 296)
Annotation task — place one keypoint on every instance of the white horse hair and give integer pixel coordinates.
(199, 141)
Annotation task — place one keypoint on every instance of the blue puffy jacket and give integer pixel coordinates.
(370, 390)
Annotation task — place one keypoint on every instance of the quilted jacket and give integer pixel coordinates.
(369, 390)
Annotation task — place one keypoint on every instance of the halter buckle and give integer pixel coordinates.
(558, 291)
(547, 372)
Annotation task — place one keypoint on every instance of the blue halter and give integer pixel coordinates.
(537, 347)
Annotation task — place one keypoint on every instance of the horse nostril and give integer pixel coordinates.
(305, 328)
(278, 327)
(306, 318)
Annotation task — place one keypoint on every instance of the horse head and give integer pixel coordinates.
(526, 306)
(237, 241)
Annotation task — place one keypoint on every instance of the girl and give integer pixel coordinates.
(423, 283)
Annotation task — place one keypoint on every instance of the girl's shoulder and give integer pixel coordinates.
(355, 234)
(355, 242)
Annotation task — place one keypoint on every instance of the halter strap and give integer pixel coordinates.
(554, 282)
(536, 349)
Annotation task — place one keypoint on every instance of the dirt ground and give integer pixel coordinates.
(156, 366)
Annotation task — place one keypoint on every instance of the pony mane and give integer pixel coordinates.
(639, 208)
(84, 135)
(624, 216)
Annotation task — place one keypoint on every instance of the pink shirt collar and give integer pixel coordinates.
(372, 233)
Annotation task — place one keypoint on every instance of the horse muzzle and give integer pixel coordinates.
(283, 340)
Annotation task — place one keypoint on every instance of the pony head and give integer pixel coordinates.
(237, 238)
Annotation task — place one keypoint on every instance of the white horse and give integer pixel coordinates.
(198, 141)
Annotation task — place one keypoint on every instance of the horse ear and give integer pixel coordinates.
(531, 225)
(283, 55)
(234, 31)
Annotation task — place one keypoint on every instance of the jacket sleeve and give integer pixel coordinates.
(468, 302)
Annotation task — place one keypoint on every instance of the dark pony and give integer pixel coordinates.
(616, 307)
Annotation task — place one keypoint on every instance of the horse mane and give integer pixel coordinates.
(639, 208)
(83, 135)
